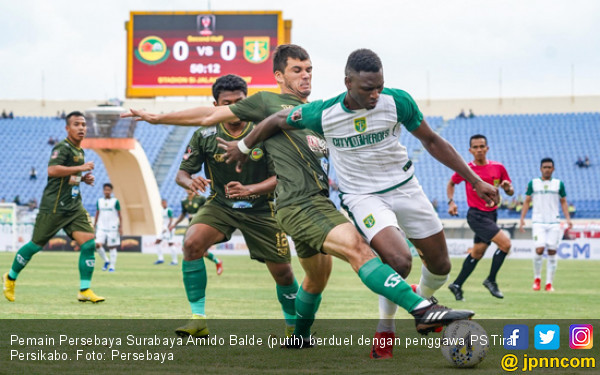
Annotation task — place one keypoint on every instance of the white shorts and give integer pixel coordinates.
(546, 235)
(405, 207)
(166, 235)
(110, 237)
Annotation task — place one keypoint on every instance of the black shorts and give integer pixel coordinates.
(483, 223)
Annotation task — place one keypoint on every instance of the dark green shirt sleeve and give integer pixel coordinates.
(307, 116)
(118, 206)
(193, 158)
(529, 188)
(406, 109)
(250, 109)
(561, 190)
(59, 155)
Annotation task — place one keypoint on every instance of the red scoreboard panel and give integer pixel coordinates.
(183, 53)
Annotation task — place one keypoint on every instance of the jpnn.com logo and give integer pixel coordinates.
(152, 50)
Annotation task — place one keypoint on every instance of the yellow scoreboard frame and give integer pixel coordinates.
(160, 61)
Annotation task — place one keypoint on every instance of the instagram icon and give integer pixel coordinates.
(581, 336)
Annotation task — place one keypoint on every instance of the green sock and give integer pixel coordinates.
(23, 256)
(212, 257)
(194, 281)
(87, 261)
(307, 305)
(383, 280)
(286, 294)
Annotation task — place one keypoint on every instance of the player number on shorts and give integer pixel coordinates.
(282, 240)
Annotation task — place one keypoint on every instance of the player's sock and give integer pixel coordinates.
(537, 265)
(23, 256)
(306, 309)
(194, 280)
(497, 261)
(286, 294)
(430, 282)
(551, 268)
(113, 258)
(102, 252)
(173, 254)
(467, 268)
(86, 264)
(159, 253)
(387, 313)
(383, 280)
(212, 257)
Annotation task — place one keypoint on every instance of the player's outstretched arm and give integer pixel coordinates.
(524, 210)
(199, 116)
(237, 151)
(194, 184)
(58, 171)
(235, 189)
(446, 154)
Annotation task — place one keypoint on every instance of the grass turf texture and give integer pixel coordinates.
(47, 289)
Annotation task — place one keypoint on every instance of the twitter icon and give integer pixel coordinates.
(547, 336)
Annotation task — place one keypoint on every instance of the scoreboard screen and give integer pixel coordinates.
(183, 53)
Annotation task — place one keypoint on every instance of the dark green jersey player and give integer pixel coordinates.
(61, 208)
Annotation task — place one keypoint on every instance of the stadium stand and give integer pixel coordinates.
(518, 141)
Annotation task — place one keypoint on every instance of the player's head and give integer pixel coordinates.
(293, 70)
(107, 189)
(478, 146)
(76, 126)
(163, 203)
(229, 89)
(364, 79)
(547, 168)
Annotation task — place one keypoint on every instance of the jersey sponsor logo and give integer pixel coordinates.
(256, 154)
(360, 124)
(392, 280)
(256, 49)
(297, 115)
(360, 139)
(369, 221)
(242, 205)
(76, 158)
(208, 132)
(54, 154)
(152, 50)
(219, 158)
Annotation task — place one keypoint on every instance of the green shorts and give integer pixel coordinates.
(265, 240)
(309, 222)
(48, 224)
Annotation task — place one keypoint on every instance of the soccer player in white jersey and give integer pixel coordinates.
(108, 227)
(376, 178)
(166, 235)
(546, 194)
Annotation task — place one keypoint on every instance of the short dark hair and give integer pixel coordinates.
(547, 160)
(478, 136)
(283, 52)
(229, 82)
(363, 60)
(74, 113)
(108, 184)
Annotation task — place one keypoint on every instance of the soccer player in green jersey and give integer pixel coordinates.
(317, 228)
(189, 206)
(61, 207)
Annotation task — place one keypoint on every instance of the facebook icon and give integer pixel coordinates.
(516, 336)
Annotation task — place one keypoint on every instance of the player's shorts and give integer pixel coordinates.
(48, 224)
(309, 222)
(546, 235)
(483, 223)
(406, 207)
(110, 237)
(166, 235)
(265, 240)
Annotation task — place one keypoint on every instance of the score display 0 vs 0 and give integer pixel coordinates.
(181, 50)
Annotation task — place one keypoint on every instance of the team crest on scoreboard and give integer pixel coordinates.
(369, 221)
(152, 50)
(360, 124)
(256, 49)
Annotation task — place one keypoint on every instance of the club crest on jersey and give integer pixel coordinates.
(54, 155)
(188, 153)
(256, 49)
(360, 124)
(496, 182)
(256, 154)
(369, 221)
(297, 115)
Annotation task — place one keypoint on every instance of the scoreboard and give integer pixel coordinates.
(183, 53)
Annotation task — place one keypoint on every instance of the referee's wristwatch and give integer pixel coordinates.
(450, 201)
